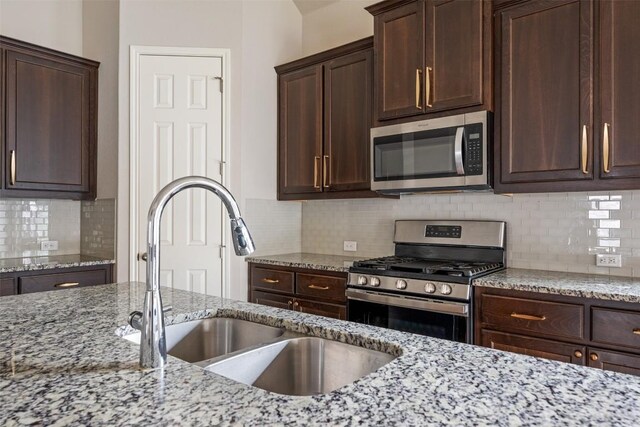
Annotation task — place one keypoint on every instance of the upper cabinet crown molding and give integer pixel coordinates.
(49, 104)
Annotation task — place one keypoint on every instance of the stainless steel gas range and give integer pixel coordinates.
(425, 287)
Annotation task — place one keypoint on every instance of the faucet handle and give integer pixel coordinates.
(135, 318)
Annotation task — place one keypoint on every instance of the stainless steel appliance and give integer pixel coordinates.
(448, 153)
(425, 288)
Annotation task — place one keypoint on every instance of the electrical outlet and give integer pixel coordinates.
(350, 246)
(606, 260)
(49, 245)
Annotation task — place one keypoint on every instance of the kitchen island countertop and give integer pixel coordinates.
(62, 363)
(13, 265)
(311, 261)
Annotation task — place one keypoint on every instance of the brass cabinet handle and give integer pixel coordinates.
(320, 288)
(66, 285)
(636, 331)
(296, 303)
(316, 159)
(578, 354)
(583, 150)
(267, 280)
(605, 149)
(427, 84)
(527, 316)
(290, 303)
(12, 180)
(594, 356)
(325, 173)
(418, 88)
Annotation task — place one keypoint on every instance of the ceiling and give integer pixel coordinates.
(307, 6)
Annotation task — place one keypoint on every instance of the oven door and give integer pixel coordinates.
(434, 318)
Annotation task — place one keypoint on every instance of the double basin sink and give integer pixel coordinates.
(270, 358)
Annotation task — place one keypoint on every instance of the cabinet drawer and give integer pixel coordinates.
(272, 300)
(334, 311)
(615, 327)
(273, 280)
(536, 347)
(326, 287)
(56, 281)
(532, 316)
(7, 287)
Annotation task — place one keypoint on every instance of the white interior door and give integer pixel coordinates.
(180, 134)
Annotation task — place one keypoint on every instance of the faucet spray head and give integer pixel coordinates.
(242, 241)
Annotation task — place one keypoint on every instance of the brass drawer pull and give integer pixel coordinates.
(290, 303)
(578, 354)
(636, 331)
(273, 281)
(427, 83)
(66, 285)
(13, 168)
(594, 356)
(418, 88)
(320, 288)
(326, 179)
(296, 303)
(606, 148)
(583, 150)
(316, 159)
(527, 316)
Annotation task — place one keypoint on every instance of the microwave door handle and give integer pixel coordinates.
(458, 150)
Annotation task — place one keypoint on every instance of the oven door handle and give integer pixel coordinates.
(457, 148)
(456, 308)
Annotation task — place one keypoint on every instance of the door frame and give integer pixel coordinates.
(136, 52)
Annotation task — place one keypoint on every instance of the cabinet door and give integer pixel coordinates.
(320, 309)
(536, 347)
(300, 128)
(48, 127)
(272, 300)
(454, 60)
(399, 44)
(613, 361)
(59, 281)
(7, 286)
(347, 121)
(619, 126)
(545, 100)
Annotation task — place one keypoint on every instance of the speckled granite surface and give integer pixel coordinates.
(61, 363)
(571, 284)
(12, 265)
(306, 260)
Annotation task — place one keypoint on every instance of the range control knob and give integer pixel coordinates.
(429, 288)
(375, 281)
(446, 289)
(362, 280)
(401, 284)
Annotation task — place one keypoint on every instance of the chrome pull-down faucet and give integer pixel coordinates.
(153, 346)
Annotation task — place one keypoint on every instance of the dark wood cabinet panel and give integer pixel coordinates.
(614, 361)
(272, 300)
(532, 316)
(619, 328)
(399, 50)
(536, 347)
(347, 121)
(59, 281)
(50, 108)
(320, 309)
(8, 286)
(544, 122)
(323, 287)
(619, 67)
(300, 116)
(272, 280)
(454, 53)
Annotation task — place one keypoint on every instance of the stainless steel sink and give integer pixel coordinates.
(301, 366)
(205, 339)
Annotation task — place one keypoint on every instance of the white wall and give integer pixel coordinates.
(56, 24)
(100, 42)
(336, 24)
(260, 34)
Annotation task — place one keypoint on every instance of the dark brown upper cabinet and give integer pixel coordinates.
(567, 96)
(324, 118)
(49, 104)
(431, 56)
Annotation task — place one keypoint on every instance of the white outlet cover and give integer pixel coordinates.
(49, 245)
(608, 260)
(350, 246)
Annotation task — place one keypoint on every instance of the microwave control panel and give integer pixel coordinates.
(473, 153)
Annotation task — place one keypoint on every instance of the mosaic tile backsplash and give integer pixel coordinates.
(555, 231)
(98, 228)
(25, 224)
(275, 226)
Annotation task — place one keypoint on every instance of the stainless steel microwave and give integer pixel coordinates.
(448, 153)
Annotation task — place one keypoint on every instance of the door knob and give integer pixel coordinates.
(142, 256)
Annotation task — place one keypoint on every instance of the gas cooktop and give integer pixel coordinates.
(398, 265)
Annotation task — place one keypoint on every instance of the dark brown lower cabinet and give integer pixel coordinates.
(55, 279)
(596, 333)
(308, 291)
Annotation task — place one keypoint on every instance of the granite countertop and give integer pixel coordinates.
(12, 265)
(62, 363)
(308, 260)
(625, 289)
